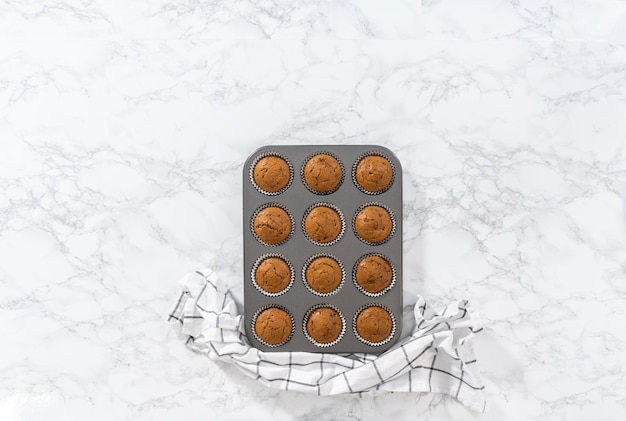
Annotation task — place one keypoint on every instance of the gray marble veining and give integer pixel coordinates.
(124, 128)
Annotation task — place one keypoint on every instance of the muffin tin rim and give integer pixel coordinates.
(346, 156)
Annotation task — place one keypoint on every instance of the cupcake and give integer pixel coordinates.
(273, 274)
(374, 324)
(272, 225)
(324, 325)
(323, 274)
(373, 224)
(322, 173)
(323, 224)
(373, 274)
(271, 173)
(374, 173)
(273, 326)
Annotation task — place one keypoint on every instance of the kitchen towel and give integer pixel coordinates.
(437, 356)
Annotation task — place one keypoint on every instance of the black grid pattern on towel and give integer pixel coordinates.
(434, 358)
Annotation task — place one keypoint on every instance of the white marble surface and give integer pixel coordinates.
(123, 129)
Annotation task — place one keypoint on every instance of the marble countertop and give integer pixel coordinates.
(124, 127)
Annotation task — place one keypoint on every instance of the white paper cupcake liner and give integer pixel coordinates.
(312, 190)
(310, 338)
(341, 217)
(265, 155)
(384, 290)
(391, 215)
(356, 164)
(269, 205)
(256, 315)
(393, 325)
(256, 266)
(306, 283)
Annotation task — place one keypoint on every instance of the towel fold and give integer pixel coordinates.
(436, 357)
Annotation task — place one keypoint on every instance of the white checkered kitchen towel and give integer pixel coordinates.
(436, 357)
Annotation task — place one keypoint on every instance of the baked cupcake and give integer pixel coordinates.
(273, 326)
(374, 173)
(324, 325)
(273, 275)
(374, 324)
(272, 173)
(373, 274)
(322, 173)
(323, 274)
(272, 225)
(373, 224)
(323, 224)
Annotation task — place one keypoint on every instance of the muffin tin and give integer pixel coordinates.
(334, 228)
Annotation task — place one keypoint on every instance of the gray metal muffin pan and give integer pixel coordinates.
(297, 249)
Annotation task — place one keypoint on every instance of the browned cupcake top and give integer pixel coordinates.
(374, 324)
(324, 325)
(323, 274)
(322, 173)
(323, 224)
(273, 274)
(373, 224)
(271, 173)
(373, 274)
(272, 225)
(374, 173)
(273, 325)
